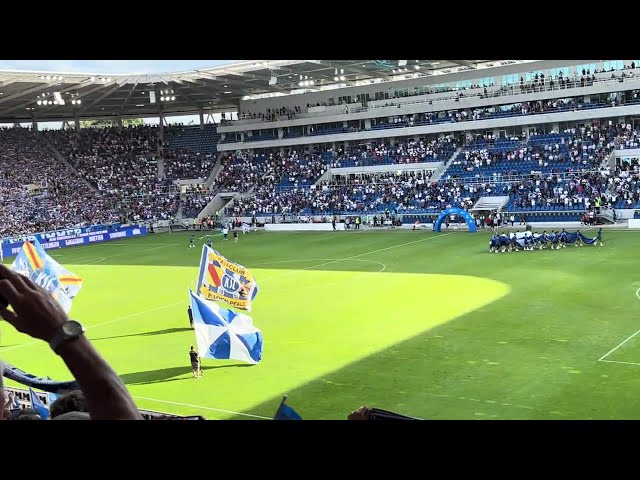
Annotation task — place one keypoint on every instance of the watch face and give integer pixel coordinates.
(72, 328)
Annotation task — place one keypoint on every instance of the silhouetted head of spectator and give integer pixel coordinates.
(28, 414)
(73, 416)
(71, 402)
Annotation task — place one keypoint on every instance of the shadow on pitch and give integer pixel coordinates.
(171, 374)
(406, 377)
(148, 334)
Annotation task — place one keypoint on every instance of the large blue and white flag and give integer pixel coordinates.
(40, 408)
(33, 262)
(223, 334)
(592, 241)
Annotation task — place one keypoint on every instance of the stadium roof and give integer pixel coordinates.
(65, 96)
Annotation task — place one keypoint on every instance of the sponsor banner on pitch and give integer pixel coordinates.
(81, 238)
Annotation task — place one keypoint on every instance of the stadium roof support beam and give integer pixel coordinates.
(190, 100)
(223, 80)
(464, 63)
(104, 95)
(350, 67)
(135, 84)
(7, 81)
(254, 76)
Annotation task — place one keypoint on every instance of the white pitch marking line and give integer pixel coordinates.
(601, 359)
(114, 243)
(316, 259)
(617, 347)
(616, 361)
(200, 407)
(376, 251)
(100, 324)
(125, 253)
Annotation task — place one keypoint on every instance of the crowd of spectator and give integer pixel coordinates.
(403, 192)
(243, 172)
(122, 164)
(624, 187)
(273, 114)
(39, 193)
(116, 161)
(196, 198)
(572, 149)
(577, 192)
(183, 164)
(556, 170)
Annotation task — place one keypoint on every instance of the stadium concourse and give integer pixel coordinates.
(512, 143)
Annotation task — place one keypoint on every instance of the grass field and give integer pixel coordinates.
(429, 325)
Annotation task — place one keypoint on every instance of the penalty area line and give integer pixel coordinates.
(601, 359)
(376, 251)
(201, 407)
(617, 361)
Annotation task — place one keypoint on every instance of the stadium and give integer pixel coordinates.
(430, 239)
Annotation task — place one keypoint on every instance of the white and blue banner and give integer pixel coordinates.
(72, 237)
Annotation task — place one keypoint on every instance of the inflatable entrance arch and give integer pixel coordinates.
(471, 223)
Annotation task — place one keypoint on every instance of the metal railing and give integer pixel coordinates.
(494, 180)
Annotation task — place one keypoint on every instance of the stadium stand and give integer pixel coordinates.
(190, 151)
(122, 165)
(38, 193)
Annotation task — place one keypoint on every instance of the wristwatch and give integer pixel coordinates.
(68, 331)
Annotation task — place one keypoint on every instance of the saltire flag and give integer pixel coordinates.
(594, 240)
(224, 280)
(40, 408)
(285, 412)
(223, 334)
(571, 237)
(34, 262)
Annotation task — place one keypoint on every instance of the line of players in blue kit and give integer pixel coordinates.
(516, 241)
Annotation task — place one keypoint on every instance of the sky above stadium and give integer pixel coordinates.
(111, 66)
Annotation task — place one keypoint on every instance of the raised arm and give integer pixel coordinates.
(38, 315)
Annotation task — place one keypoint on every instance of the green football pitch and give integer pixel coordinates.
(428, 325)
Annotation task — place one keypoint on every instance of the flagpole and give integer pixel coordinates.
(282, 402)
